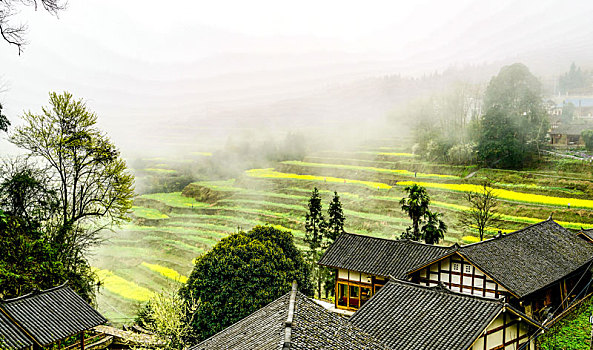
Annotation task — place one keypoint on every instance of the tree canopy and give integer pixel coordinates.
(242, 273)
(416, 205)
(72, 185)
(28, 261)
(91, 180)
(515, 123)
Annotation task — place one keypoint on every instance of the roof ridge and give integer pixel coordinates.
(441, 288)
(503, 235)
(407, 240)
(35, 292)
(290, 317)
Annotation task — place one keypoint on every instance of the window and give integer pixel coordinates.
(365, 294)
(354, 296)
(468, 269)
(455, 266)
(342, 295)
(377, 287)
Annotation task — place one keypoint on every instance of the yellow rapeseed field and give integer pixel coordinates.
(398, 154)
(270, 173)
(508, 195)
(369, 168)
(121, 286)
(165, 271)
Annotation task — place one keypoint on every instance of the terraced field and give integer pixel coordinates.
(170, 230)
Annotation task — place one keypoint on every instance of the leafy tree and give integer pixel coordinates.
(482, 210)
(588, 138)
(25, 192)
(575, 80)
(15, 34)
(416, 206)
(434, 229)
(27, 261)
(164, 315)
(498, 144)
(4, 122)
(93, 186)
(242, 273)
(513, 104)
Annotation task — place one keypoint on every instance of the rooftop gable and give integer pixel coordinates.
(52, 314)
(309, 326)
(529, 259)
(379, 256)
(404, 315)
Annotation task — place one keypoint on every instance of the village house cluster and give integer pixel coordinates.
(399, 294)
(390, 294)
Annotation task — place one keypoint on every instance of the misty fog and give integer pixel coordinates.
(184, 77)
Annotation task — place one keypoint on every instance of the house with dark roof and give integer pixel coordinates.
(405, 315)
(538, 269)
(292, 321)
(364, 264)
(569, 134)
(46, 318)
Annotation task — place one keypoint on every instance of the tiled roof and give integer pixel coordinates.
(571, 129)
(587, 233)
(52, 314)
(379, 256)
(11, 337)
(312, 327)
(530, 259)
(404, 315)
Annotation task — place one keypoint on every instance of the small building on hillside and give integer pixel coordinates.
(569, 135)
(292, 321)
(46, 319)
(365, 263)
(405, 315)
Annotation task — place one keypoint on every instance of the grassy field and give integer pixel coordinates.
(157, 249)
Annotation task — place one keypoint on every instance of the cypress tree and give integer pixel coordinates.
(335, 225)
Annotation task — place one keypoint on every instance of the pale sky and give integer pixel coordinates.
(146, 59)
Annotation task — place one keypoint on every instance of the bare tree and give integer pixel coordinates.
(15, 33)
(482, 208)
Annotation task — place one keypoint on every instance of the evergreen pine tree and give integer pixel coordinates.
(314, 222)
(335, 225)
(315, 227)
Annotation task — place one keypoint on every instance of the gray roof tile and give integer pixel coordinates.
(313, 327)
(379, 256)
(11, 337)
(52, 314)
(532, 258)
(404, 315)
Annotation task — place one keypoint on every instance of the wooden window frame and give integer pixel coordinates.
(354, 284)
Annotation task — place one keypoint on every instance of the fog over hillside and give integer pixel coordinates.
(162, 77)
